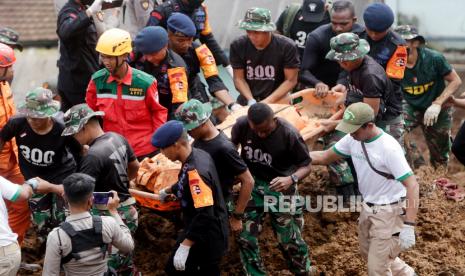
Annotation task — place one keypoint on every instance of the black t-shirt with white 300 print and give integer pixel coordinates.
(47, 156)
(279, 154)
(264, 69)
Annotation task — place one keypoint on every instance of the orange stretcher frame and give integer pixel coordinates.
(309, 105)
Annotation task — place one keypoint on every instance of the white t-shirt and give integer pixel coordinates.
(386, 155)
(11, 192)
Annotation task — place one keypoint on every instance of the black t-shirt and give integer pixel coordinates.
(227, 160)
(264, 69)
(47, 156)
(107, 161)
(371, 81)
(279, 154)
(315, 67)
(299, 29)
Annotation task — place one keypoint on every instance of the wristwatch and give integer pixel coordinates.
(238, 216)
(33, 182)
(294, 178)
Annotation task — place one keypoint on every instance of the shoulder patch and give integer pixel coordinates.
(201, 193)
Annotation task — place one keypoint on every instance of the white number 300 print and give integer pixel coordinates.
(36, 155)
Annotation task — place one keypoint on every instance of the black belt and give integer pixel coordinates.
(385, 204)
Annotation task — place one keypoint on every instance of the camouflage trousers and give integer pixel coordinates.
(437, 136)
(122, 263)
(287, 227)
(340, 173)
(47, 212)
(395, 128)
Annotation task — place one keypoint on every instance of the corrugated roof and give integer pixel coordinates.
(34, 20)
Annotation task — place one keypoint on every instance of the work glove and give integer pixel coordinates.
(407, 237)
(180, 258)
(162, 195)
(230, 70)
(251, 102)
(431, 114)
(95, 7)
(235, 107)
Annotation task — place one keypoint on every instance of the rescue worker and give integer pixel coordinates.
(458, 146)
(181, 32)
(317, 71)
(78, 58)
(367, 82)
(389, 50)
(203, 241)
(135, 14)
(197, 12)
(231, 168)
(128, 96)
(153, 56)
(18, 212)
(110, 160)
(80, 244)
(277, 167)
(265, 64)
(297, 21)
(43, 153)
(390, 191)
(10, 37)
(425, 94)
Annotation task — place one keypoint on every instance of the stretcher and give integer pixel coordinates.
(158, 172)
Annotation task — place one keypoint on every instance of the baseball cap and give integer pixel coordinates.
(355, 116)
(76, 117)
(313, 10)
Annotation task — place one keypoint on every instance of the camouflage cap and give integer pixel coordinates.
(76, 117)
(355, 116)
(347, 47)
(39, 103)
(409, 32)
(257, 19)
(193, 113)
(10, 37)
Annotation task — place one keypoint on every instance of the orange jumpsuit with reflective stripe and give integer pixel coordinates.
(18, 212)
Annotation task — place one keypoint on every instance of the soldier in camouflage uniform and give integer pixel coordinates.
(276, 167)
(43, 153)
(111, 161)
(367, 82)
(425, 92)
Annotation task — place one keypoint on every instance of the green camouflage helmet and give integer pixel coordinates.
(193, 113)
(257, 19)
(76, 117)
(39, 104)
(409, 32)
(347, 47)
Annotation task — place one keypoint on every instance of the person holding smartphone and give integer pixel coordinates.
(111, 161)
(94, 233)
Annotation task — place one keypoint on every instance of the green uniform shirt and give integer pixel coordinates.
(423, 83)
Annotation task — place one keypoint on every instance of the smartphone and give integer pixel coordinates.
(102, 197)
(109, 4)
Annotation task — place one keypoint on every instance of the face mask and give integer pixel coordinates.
(194, 4)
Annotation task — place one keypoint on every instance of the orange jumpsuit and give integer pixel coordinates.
(18, 212)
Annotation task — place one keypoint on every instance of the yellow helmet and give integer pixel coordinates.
(114, 42)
